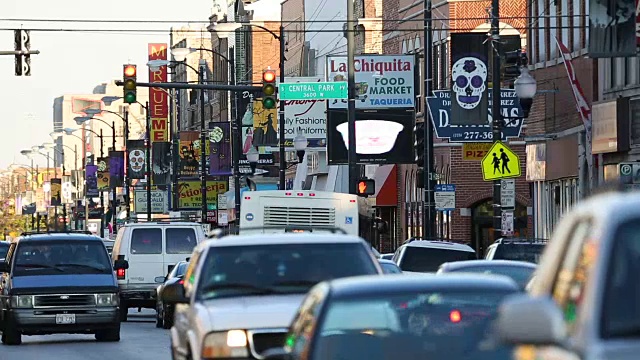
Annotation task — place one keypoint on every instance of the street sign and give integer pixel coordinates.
(629, 173)
(507, 223)
(475, 151)
(508, 193)
(500, 163)
(159, 201)
(445, 197)
(313, 90)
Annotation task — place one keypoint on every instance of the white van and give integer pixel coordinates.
(152, 249)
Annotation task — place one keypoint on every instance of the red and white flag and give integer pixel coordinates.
(581, 102)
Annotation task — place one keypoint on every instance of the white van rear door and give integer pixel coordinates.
(179, 244)
(145, 255)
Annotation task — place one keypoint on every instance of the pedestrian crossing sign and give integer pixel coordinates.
(500, 162)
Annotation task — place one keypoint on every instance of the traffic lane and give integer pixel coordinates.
(139, 340)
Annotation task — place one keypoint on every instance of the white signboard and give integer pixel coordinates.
(508, 193)
(382, 81)
(223, 218)
(307, 117)
(222, 202)
(507, 223)
(159, 203)
(445, 197)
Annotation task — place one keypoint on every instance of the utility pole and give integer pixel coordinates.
(127, 180)
(428, 213)
(351, 101)
(495, 110)
(101, 190)
(175, 139)
(203, 146)
(114, 204)
(148, 162)
(281, 119)
(237, 138)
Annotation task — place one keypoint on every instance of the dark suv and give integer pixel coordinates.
(519, 249)
(58, 283)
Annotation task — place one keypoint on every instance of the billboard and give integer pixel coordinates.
(382, 81)
(158, 98)
(190, 195)
(306, 117)
(159, 202)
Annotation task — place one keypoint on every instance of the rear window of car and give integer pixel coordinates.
(423, 259)
(180, 240)
(519, 252)
(146, 241)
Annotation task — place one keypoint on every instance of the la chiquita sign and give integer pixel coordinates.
(440, 108)
(382, 81)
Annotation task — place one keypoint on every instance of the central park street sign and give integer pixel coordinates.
(313, 90)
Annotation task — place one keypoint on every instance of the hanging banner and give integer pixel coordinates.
(612, 28)
(161, 163)
(56, 192)
(469, 72)
(220, 149)
(91, 180)
(382, 81)
(116, 169)
(136, 158)
(265, 125)
(190, 198)
(158, 98)
(103, 173)
(189, 155)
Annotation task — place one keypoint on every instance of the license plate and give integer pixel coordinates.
(63, 319)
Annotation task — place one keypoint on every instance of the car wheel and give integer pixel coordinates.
(167, 318)
(124, 311)
(159, 316)
(111, 335)
(11, 336)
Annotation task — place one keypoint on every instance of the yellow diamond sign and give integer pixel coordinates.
(500, 162)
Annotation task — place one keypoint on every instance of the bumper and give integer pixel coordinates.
(37, 321)
(138, 292)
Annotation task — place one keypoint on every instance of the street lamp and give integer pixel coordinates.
(300, 144)
(108, 100)
(525, 87)
(253, 156)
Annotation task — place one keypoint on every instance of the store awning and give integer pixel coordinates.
(386, 177)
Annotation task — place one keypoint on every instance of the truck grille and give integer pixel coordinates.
(62, 300)
(264, 340)
(301, 216)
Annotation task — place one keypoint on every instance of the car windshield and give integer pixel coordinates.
(520, 274)
(4, 248)
(411, 325)
(61, 257)
(519, 252)
(282, 268)
(423, 259)
(390, 268)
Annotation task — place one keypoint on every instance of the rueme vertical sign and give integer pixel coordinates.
(158, 98)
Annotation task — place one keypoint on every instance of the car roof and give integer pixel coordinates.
(58, 237)
(376, 284)
(387, 261)
(280, 239)
(455, 265)
(521, 241)
(447, 245)
(162, 223)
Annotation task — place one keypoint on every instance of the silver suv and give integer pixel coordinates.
(241, 293)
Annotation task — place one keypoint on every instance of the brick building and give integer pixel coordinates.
(471, 222)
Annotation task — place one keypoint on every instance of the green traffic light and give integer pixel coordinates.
(130, 98)
(269, 103)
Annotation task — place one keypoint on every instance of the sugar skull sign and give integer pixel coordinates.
(469, 81)
(136, 160)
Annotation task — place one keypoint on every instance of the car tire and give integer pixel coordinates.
(124, 311)
(11, 336)
(167, 318)
(159, 316)
(108, 335)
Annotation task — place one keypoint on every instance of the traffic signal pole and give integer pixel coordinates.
(203, 147)
(495, 112)
(281, 119)
(352, 157)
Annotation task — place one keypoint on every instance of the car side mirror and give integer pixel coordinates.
(4, 266)
(278, 353)
(120, 263)
(523, 319)
(174, 294)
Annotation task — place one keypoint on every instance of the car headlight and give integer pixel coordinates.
(106, 299)
(226, 344)
(22, 301)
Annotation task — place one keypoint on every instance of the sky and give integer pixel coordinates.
(74, 62)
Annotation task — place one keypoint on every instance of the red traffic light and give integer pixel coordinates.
(129, 70)
(269, 76)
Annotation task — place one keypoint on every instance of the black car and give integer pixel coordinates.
(518, 249)
(411, 317)
(164, 313)
(4, 248)
(519, 271)
(59, 283)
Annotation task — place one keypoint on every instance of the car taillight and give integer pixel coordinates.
(121, 273)
(181, 282)
(455, 316)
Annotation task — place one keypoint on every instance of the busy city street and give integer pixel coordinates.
(141, 340)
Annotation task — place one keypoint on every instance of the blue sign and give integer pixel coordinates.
(249, 217)
(440, 108)
(348, 220)
(445, 187)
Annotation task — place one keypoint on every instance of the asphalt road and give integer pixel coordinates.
(139, 340)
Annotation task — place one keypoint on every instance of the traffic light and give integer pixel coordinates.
(513, 61)
(366, 187)
(130, 83)
(419, 143)
(269, 89)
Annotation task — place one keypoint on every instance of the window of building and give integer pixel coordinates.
(541, 32)
(630, 70)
